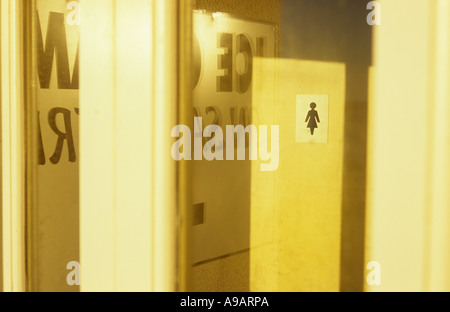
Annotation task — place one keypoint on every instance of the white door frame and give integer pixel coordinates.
(129, 186)
(13, 146)
(408, 217)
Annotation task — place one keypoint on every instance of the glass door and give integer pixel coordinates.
(279, 197)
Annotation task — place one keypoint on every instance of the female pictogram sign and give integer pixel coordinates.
(314, 129)
(313, 117)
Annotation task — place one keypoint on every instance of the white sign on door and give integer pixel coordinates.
(224, 52)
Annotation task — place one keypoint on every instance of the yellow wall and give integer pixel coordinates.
(337, 31)
(296, 210)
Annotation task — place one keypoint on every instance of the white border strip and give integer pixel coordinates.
(13, 152)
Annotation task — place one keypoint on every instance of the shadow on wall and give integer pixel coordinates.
(230, 199)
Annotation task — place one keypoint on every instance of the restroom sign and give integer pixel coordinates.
(312, 119)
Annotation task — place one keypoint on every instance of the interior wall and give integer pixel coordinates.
(296, 210)
(256, 10)
(232, 273)
(337, 31)
(223, 275)
(324, 32)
